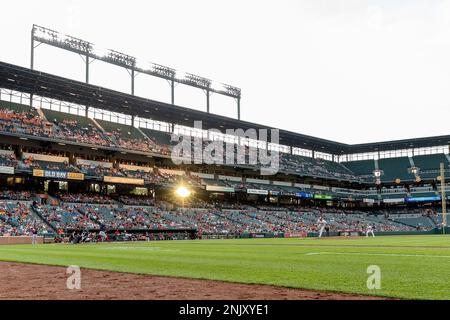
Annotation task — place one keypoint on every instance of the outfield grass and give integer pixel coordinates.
(416, 267)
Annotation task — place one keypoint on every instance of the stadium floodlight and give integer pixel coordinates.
(163, 71)
(89, 53)
(226, 89)
(119, 58)
(197, 81)
(183, 192)
(232, 91)
(45, 34)
(66, 41)
(76, 43)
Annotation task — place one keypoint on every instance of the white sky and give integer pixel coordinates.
(348, 70)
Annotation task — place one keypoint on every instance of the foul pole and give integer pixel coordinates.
(443, 199)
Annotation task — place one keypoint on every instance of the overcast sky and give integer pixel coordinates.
(348, 70)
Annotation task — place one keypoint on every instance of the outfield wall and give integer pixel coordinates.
(337, 234)
(405, 233)
(19, 240)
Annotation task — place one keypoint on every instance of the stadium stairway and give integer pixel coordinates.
(433, 221)
(41, 114)
(98, 125)
(142, 132)
(448, 157)
(37, 214)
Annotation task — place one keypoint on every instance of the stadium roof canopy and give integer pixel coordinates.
(50, 86)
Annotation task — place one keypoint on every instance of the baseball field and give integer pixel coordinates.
(412, 267)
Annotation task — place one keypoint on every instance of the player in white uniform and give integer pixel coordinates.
(369, 230)
(321, 223)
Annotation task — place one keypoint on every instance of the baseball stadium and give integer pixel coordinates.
(95, 178)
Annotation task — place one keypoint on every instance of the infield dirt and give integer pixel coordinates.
(29, 282)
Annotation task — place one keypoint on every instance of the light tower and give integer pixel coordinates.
(443, 198)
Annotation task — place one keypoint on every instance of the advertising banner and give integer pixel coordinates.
(124, 180)
(258, 191)
(55, 174)
(323, 197)
(296, 235)
(423, 199)
(219, 189)
(303, 195)
(6, 170)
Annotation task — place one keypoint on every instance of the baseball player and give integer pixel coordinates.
(369, 230)
(102, 233)
(321, 223)
(34, 232)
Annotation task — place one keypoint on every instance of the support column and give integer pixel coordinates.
(172, 88)
(32, 50)
(87, 68)
(443, 198)
(239, 108)
(132, 81)
(207, 100)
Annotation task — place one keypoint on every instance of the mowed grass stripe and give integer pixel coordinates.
(270, 261)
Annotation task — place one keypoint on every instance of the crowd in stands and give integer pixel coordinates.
(134, 144)
(99, 170)
(315, 167)
(84, 211)
(125, 218)
(64, 216)
(17, 219)
(85, 198)
(15, 195)
(26, 122)
(150, 177)
(144, 144)
(29, 122)
(137, 200)
(72, 130)
(171, 178)
(8, 160)
(30, 162)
